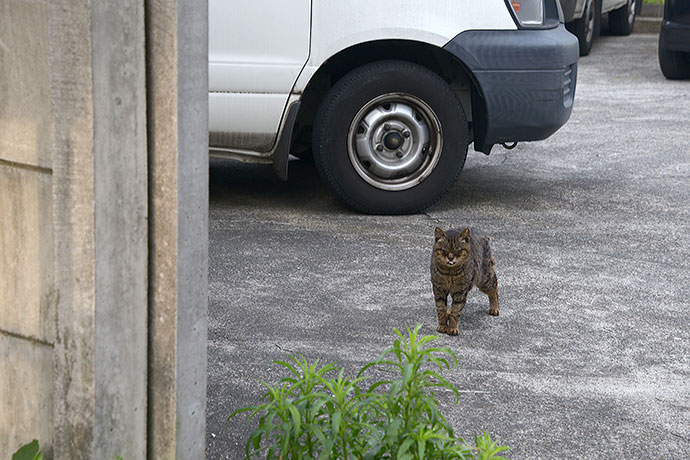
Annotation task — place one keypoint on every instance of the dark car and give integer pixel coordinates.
(674, 40)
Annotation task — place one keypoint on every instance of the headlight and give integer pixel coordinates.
(529, 12)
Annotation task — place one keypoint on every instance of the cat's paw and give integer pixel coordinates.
(493, 311)
(452, 331)
(442, 329)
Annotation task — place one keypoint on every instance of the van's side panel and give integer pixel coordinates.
(264, 51)
(255, 57)
(339, 25)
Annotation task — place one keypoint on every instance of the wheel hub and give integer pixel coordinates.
(392, 141)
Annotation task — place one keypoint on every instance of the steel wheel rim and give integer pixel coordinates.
(589, 24)
(394, 142)
(631, 12)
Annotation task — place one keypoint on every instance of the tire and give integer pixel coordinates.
(674, 65)
(586, 28)
(390, 137)
(622, 20)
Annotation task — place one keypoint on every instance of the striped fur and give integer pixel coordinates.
(461, 259)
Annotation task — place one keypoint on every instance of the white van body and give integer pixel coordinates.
(272, 63)
(259, 51)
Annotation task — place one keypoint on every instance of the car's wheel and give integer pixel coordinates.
(390, 137)
(586, 28)
(622, 20)
(674, 65)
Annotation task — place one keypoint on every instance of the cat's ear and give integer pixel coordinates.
(439, 234)
(465, 235)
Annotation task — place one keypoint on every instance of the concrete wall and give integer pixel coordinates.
(27, 281)
(103, 198)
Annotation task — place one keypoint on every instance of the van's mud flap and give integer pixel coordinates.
(282, 151)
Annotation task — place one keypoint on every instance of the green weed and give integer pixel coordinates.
(29, 451)
(317, 412)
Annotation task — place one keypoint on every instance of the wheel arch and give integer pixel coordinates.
(436, 59)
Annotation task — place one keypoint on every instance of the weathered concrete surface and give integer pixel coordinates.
(192, 215)
(73, 225)
(26, 393)
(161, 49)
(25, 118)
(178, 155)
(27, 288)
(74, 230)
(98, 103)
(120, 216)
(590, 356)
(98, 99)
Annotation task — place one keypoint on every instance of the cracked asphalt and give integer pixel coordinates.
(590, 357)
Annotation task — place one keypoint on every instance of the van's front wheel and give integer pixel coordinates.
(390, 138)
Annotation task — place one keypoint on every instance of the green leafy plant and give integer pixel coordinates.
(317, 412)
(29, 451)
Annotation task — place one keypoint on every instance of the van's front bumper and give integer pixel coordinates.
(525, 79)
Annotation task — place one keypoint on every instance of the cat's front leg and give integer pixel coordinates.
(441, 310)
(459, 299)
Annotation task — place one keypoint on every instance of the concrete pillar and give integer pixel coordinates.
(177, 44)
(103, 228)
(100, 180)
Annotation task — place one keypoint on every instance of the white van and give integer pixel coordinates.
(386, 95)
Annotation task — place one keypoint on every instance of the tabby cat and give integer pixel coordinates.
(460, 259)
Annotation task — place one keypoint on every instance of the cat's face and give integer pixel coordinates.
(451, 249)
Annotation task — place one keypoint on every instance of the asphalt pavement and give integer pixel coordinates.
(590, 357)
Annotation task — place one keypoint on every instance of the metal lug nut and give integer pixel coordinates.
(406, 133)
(386, 127)
(399, 154)
(379, 147)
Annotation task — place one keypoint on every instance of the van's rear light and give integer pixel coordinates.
(529, 12)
